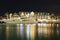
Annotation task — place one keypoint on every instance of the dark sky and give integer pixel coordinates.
(29, 5)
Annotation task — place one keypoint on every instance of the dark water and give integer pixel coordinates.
(30, 31)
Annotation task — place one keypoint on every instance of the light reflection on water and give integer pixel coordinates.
(30, 31)
(21, 30)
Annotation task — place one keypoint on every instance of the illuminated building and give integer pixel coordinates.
(32, 16)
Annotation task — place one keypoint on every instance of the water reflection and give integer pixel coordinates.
(28, 31)
(32, 31)
(18, 31)
(11, 32)
(57, 32)
(42, 30)
(7, 32)
(21, 30)
(39, 31)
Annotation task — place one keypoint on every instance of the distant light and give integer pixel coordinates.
(41, 20)
(53, 20)
(22, 14)
(27, 15)
(18, 18)
(32, 13)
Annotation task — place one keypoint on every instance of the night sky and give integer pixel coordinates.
(29, 5)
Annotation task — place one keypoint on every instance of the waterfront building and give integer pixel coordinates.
(30, 17)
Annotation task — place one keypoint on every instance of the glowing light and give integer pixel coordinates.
(45, 32)
(28, 31)
(38, 24)
(48, 25)
(18, 18)
(22, 14)
(21, 30)
(27, 15)
(39, 30)
(41, 20)
(57, 32)
(57, 25)
(32, 13)
(54, 20)
(7, 27)
(48, 17)
(38, 19)
(32, 31)
(44, 25)
(49, 31)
